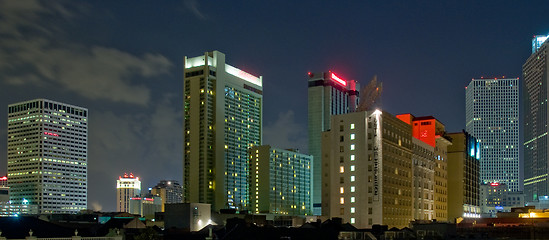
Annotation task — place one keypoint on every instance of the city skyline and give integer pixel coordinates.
(125, 65)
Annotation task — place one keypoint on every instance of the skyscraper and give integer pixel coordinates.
(127, 187)
(328, 95)
(222, 119)
(535, 128)
(47, 155)
(492, 117)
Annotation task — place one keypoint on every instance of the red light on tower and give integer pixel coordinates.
(338, 79)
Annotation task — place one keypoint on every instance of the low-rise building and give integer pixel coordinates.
(280, 181)
(496, 197)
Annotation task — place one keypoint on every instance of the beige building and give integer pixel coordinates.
(430, 167)
(463, 179)
(280, 181)
(424, 162)
(441, 178)
(367, 170)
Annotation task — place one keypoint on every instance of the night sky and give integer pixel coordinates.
(123, 61)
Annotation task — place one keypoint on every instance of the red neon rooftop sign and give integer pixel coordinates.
(494, 184)
(339, 80)
(4, 178)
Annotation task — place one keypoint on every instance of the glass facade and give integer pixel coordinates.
(222, 120)
(534, 74)
(280, 181)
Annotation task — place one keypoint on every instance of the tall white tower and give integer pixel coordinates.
(127, 187)
(48, 155)
(492, 117)
(222, 120)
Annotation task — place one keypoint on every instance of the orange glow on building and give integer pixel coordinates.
(423, 128)
(407, 118)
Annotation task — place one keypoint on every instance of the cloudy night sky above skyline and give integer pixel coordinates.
(123, 61)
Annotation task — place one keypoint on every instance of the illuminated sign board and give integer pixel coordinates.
(3, 178)
(244, 75)
(51, 134)
(338, 79)
(494, 184)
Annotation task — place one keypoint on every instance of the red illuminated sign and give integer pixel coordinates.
(494, 184)
(3, 178)
(51, 134)
(339, 80)
(128, 176)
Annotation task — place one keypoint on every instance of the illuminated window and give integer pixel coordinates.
(352, 126)
(341, 190)
(352, 199)
(352, 210)
(352, 168)
(352, 178)
(352, 147)
(352, 136)
(341, 200)
(341, 169)
(352, 188)
(352, 157)
(352, 220)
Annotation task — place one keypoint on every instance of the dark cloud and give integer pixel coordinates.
(285, 132)
(147, 144)
(192, 5)
(94, 72)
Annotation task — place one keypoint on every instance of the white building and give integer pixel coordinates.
(127, 187)
(47, 155)
(492, 117)
(328, 95)
(222, 120)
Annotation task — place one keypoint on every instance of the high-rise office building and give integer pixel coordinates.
(367, 170)
(535, 125)
(328, 95)
(492, 117)
(47, 155)
(222, 120)
(127, 187)
(170, 191)
(280, 181)
(463, 177)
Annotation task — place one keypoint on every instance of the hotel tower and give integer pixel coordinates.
(222, 120)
